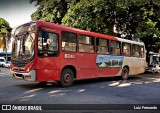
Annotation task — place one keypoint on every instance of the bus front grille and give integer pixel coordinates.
(20, 63)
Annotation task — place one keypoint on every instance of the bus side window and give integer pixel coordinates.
(135, 50)
(69, 41)
(142, 51)
(126, 49)
(117, 51)
(86, 44)
(81, 48)
(114, 47)
(52, 42)
(91, 49)
(47, 44)
(102, 46)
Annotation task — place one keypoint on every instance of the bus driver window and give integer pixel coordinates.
(47, 44)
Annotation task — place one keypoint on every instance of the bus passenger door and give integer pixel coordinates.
(143, 59)
(136, 60)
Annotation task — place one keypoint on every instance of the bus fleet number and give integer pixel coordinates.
(69, 56)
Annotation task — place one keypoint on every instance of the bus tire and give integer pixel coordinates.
(67, 78)
(125, 72)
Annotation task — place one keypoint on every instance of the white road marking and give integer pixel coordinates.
(4, 74)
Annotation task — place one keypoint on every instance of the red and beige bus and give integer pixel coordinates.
(44, 51)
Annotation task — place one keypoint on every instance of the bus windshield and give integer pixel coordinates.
(25, 28)
(23, 48)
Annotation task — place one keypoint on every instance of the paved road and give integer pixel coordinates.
(143, 89)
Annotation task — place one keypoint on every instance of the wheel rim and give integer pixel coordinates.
(67, 78)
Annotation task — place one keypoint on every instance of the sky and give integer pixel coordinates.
(16, 12)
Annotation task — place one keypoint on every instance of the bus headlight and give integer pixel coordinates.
(30, 67)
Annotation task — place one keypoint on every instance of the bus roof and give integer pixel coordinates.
(79, 31)
(130, 41)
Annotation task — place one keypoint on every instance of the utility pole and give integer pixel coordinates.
(6, 46)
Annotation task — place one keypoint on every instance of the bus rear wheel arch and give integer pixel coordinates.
(67, 77)
(125, 73)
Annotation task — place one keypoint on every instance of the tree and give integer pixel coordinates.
(4, 30)
(148, 29)
(51, 10)
(98, 15)
(128, 18)
(4, 27)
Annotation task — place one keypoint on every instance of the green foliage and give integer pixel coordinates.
(131, 18)
(85, 16)
(97, 16)
(51, 10)
(148, 29)
(4, 27)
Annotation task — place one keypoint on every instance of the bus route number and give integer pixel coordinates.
(69, 56)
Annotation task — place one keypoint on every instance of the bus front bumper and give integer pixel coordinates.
(30, 76)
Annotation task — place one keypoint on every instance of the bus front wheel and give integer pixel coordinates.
(125, 72)
(67, 78)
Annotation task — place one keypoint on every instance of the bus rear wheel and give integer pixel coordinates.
(67, 78)
(125, 72)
